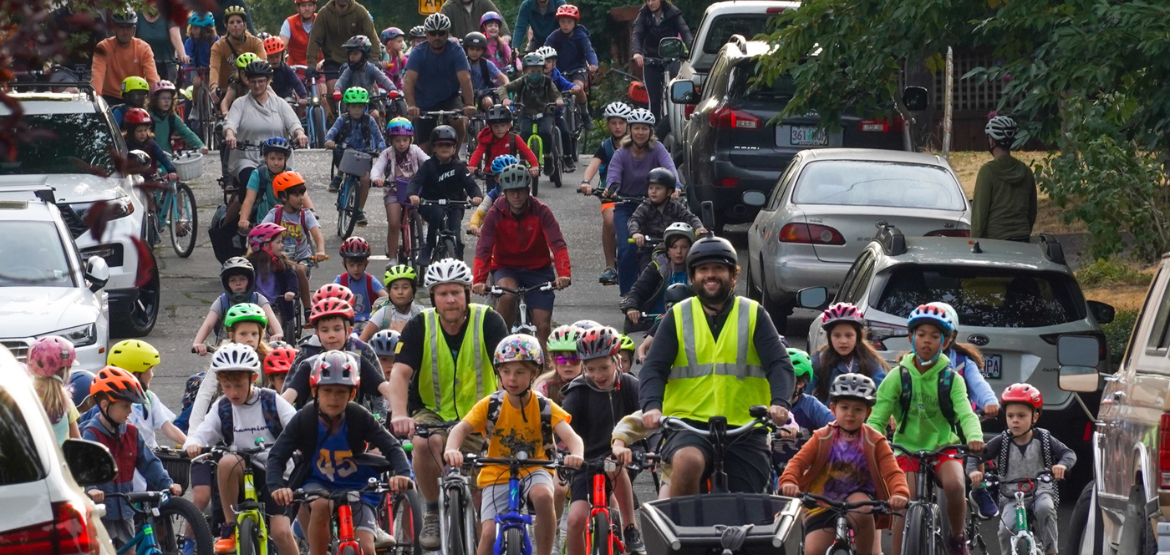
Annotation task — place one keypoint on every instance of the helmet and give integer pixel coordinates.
(162, 86)
(499, 114)
(711, 249)
(236, 357)
(279, 360)
(638, 94)
(518, 348)
(617, 110)
(400, 271)
(926, 314)
(384, 343)
(951, 313)
(569, 10)
(585, 325)
(447, 270)
(285, 181)
(355, 247)
(801, 364)
(489, 17)
(273, 45)
(276, 144)
(677, 293)
(258, 68)
(1002, 130)
(246, 58)
(436, 22)
(263, 36)
(547, 52)
(263, 233)
(853, 386)
(335, 368)
(418, 32)
(358, 42)
(356, 95)
(627, 343)
(563, 338)
(662, 176)
(598, 342)
(234, 10)
(136, 116)
(133, 356)
(1022, 393)
(391, 33)
(245, 312)
(79, 383)
(399, 127)
(118, 384)
(331, 307)
(502, 161)
(128, 17)
(475, 39)
(677, 229)
(514, 176)
(841, 312)
(133, 83)
(279, 344)
(237, 266)
(49, 355)
(332, 291)
(641, 115)
(444, 133)
(533, 59)
(201, 20)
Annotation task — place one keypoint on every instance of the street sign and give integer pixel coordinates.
(427, 7)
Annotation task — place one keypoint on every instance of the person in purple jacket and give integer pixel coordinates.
(627, 176)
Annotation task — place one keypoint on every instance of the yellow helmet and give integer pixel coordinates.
(133, 356)
(133, 83)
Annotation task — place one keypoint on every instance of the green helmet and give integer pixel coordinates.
(627, 343)
(245, 312)
(356, 95)
(563, 338)
(246, 58)
(400, 271)
(801, 364)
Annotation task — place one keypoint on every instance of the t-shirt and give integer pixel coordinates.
(296, 237)
(388, 316)
(150, 417)
(437, 73)
(480, 81)
(845, 472)
(515, 431)
(61, 426)
(363, 295)
(333, 465)
(248, 426)
(261, 182)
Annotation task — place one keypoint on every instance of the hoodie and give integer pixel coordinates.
(574, 51)
(334, 26)
(595, 412)
(542, 22)
(926, 427)
(1004, 206)
(649, 30)
(130, 453)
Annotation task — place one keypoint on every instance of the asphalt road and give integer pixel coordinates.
(190, 285)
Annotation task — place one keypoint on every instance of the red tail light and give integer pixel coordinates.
(71, 532)
(950, 233)
(1164, 452)
(688, 109)
(392, 94)
(728, 182)
(776, 10)
(733, 119)
(811, 234)
(882, 125)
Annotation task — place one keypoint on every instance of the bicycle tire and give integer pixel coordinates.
(317, 126)
(471, 525)
(150, 227)
(168, 534)
(348, 550)
(185, 222)
(247, 538)
(599, 541)
(557, 158)
(406, 522)
(451, 532)
(513, 541)
(916, 539)
(447, 249)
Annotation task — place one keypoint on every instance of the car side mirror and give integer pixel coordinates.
(97, 272)
(684, 92)
(672, 48)
(812, 297)
(1079, 356)
(1101, 312)
(915, 98)
(89, 462)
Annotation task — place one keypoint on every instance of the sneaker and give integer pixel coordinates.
(984, 503)
(608, 277)
(335, 184)
(429, 537)
(187, 546)
(633, 537)
(359, 217)
(958, 545)
(383, 540)
(227, 540)
(570, 167)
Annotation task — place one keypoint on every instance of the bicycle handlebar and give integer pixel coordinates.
(428, 430)
(144, 497)
(677, 424)
(436, 114)
(218, 451)
(445, 202)
(498, 290)
(646, 240)
(841, 506)
(476, 460)
(920, 454)
(599, 192)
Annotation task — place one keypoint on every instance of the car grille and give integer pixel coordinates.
(18, 348)
(76, 225)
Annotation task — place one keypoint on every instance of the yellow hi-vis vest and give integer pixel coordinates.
(451, 387)
(712, 377)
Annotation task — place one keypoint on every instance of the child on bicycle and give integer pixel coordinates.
(533, 92)
(497, 140)
(418, 35)
(666, 267)
(277, 365)
(139, 358)
(393, 171)
(356, 130)
(50, 359)
(285, 81)
(625, 355)
(523, 416)
(485, 76)
(401, 282)
(361, 72)
(200, 36)
(563, 85)
(261, 196)
(807, 412)
(237, 83)
(967, 361)
(367, 289)
(245, 417)
(615, 121)
(562, 349)
(911, 396)
(336, 432)
(299, 223)
(115, 392)
(443, 176)
(385, 344)
(658, 211)
(596, 401)
(239, 284)
(167, 122)
(245, 324)
(134, 93)
(275, 277)
(845, 351)
(846, 461)
(1035, 450)
(576, 57)
(138, 133)
(393, 60)
(499, 53)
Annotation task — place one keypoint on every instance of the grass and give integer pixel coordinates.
(1117, 282)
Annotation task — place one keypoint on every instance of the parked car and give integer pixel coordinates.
(79, 140)
(822, 212)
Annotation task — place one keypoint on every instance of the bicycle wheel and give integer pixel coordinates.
(916, 539)
(205, 114)
(513, 541)
(599, 543)
(317, 126)
(446, 249)
(150, 227)
(248, 537)
(181, 523)
(348, 550)
(184, 221)
(452, 530)
(407, 521)
(558, 160)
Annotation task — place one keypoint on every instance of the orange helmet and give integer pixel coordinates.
(117, 384)
(332, 291)
(273, 45)
(331, 307)
(286, 180)
(638, 94)
(279, 360)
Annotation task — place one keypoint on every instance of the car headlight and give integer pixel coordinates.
(118, 208)
(81, 336)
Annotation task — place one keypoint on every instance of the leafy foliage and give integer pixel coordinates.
(1111, 272)
(1117, 334)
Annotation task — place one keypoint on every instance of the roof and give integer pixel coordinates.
(35, 103)
(873, 155)
(748, 6)
(24, 205)
(747, 48)
(952, 251)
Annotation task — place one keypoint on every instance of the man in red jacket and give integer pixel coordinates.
(521, 242)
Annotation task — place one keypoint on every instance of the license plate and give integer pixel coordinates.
(807, 135)
(992, 367)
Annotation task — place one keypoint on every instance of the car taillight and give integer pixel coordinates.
(776, 10)
(950, 233)
(1164, 451)
(882, 125)
(879, 333)
(71, 532)
(688, 109)
(810, 233)
(728, 182)
(733, 119)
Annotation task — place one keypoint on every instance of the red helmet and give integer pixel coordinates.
(1022, 393)
(273, 45)
(136, 116)
(568, 10)
(332, 291)
(638, 94)
(355, 247)
(331, 307)
(279, 360)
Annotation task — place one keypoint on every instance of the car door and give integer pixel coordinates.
(701, 136)
(853, 289)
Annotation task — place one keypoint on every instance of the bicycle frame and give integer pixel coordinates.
(525, 325)
(452, 480)
(444, 234)
(718, 435)
(144, 541)
(926, 493)
(513, 518)
(251, 508)
(342, 516)
(1023, 532)
(599, 504)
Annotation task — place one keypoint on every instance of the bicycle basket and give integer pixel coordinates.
(189, 167)
(695, 524)
(354, 162)
(177, 465)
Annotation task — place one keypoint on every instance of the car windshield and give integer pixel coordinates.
(747, 25)
(22, 463)
(36, 255)
(985, 297)
(870, 183)
(63, 143)
(779, 93)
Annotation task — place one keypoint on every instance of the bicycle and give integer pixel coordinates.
(524, 325)
(314, 118)
(603, 532)
(923, 528)
(353, 166)
(203, 115)
(1023, 540)
(344, 540)
(721, 439)
(573, 122)
(401, 516)
(446, 242)
(174, 208)
(251, 526)
(843, 543)
(410, 243)
(512, 525)
(458, 518)
(554, 164)
(156, 511)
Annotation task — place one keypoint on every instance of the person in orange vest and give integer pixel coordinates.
(295, 32)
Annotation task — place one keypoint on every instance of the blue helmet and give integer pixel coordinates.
(201, 20)
(79, 383)
(384, 343)
(276, 144)
(502, 161)
(391, 33)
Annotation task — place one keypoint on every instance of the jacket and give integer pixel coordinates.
(524, 241)
(652, 221)
(333, 27)
(386, 166)
(648, 32)
(464, 20)
(350, 132)
(130, 453)
(531, 98)
(285, 82)
(978, 389)
(925, 427)
(574, 51)
(488, 147)
(888, 479)
(367, 76)
(595, 412)
(370, 369)
(443, 180)
(298, 40)
(651, 284)
(223, 57)
(113, 62)
(542, 23)
(172, 124)
(1004, 203)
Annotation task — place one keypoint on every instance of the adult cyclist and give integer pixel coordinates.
(336, 23)
(716, 354)
(438, 77)
(438, 375)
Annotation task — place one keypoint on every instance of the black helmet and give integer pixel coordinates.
(358, 42)
(417, 32)
(662, 176)
(499, 114)
(475, 38)
(129, 17)
(711, 249)
(259, 68)
(444, 133)
(677, 292)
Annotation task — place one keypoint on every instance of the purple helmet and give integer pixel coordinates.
(489, 17)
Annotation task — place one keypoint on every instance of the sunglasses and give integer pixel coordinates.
(566, 359)
(436, 33)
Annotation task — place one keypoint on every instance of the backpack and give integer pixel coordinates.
(1001, 462)
(370, 296)
(347, 126)
(496, 402)
(609, 151)
(946, 380)
(267, 407)
(280, 216)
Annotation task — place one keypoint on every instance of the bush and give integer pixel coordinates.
(1110, 272)
(1117, 335)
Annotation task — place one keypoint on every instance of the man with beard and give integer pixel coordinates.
(438, 77)
(715, 354)
(445, 362)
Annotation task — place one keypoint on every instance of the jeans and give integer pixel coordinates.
(654, 75)
(544, 128)
(434, 218)
(627, 253)
(1044, 509)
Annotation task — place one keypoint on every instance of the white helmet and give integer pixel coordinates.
(641, 115)
(678, 229)
(236, 357)
(617, 110)
(1001, 129)
(950, 310)
(447, 270)
(437, 22)
(547, 52)
(514, 176)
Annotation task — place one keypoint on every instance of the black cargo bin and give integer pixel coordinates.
(697, 524)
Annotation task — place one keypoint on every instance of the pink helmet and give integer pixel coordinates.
(49, 355)
(162, 85)
(263, 233)
(841, 312)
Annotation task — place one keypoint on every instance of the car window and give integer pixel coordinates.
(35, 254)
(985, 297)
(878, 184)
(782, 185)
(21, 462)
(850, 276)
(1159, 340)
(62, 143)
(778, 94)
(747, 24)
(861, 282)
(717, 82)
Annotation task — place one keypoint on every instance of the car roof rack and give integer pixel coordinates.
(44, 193)
(1052, 249)
(740, 41)
(891, 239)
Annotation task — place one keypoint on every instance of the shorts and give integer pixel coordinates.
(495, 496)
(473, 444)
(201, 474)
(748, 463)
(363, 514)
(537, 300)
(394, 191)
(822, 520)
(331, 70)
(581, 488)
(607, 206)
(424, 126)
(908, 464)
(120, 531)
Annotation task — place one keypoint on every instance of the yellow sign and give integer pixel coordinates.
(428, 7)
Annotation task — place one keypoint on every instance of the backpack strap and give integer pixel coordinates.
(227, 427)
(271, 414)
(496, 403)
(370, 289)
(946, 380)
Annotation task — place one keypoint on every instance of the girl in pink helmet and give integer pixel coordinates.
(845, 351)
(49, 361)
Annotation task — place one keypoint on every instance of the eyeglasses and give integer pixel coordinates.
(436, 33)
(566, 359)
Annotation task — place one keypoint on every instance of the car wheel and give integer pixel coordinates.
(777, 310)
(1082, 520)
(753, 288)
(1136, 535)
(139, 320)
